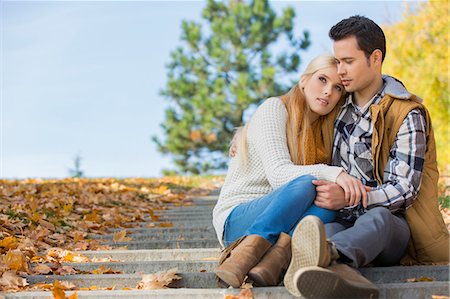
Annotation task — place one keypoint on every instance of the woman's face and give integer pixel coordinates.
(322, 90)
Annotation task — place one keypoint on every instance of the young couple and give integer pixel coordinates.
(282, 207)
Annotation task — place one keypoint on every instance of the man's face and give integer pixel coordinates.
(354, 69)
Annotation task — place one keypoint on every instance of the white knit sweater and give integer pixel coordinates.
(269, 164)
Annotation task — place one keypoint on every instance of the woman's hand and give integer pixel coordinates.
(232, 151)
(354, 189)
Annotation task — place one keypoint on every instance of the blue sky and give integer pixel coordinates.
(84, 77)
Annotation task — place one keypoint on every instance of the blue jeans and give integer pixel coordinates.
(276, 212)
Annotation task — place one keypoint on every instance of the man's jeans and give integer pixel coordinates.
(276, 212)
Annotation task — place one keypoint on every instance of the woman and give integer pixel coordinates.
(268, 188)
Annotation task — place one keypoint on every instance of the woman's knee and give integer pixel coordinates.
(303, 183)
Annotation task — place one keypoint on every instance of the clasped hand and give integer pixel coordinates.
(347, 191)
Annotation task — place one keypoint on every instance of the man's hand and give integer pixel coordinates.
(330, 195)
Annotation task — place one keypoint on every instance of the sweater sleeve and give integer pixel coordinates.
(267, 134)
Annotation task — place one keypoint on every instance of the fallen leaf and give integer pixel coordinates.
(75, 258)
(244, 294)
(9, 242)
(11, 281)
(166, 224)
(15, 260)
(420, 279)
(58, 290)
(73, 296)
(65, 270)
(105, 270)
(47, 225)
(121, 236)
(159, 280)
(41, 269)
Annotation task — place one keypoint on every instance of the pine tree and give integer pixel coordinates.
(221, 70)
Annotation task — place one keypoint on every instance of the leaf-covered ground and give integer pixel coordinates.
(45, 222)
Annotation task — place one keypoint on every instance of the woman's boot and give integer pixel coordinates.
(240, 257)
(271, 268)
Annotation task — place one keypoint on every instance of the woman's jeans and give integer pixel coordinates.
(276, 212)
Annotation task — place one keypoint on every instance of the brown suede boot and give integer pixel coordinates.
(337, 281)
(272, 266)
(245, 253)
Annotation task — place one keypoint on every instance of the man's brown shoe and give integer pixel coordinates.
(240, 257)
(274, 263)
(337, 281)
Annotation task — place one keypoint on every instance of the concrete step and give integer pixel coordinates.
(376, 275)
(199, 274)
(168, 236)
(186, 254)
(183, 224)
(161, 230)
(149, 266)
(184, 211)
(163, 244)
(180, 218)
(196, 257)
(418, 290)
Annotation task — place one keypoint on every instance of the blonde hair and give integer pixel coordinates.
(298, 121)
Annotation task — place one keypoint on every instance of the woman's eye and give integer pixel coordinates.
(338, 88)
(322, 79)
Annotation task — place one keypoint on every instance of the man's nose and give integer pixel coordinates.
(340, 69)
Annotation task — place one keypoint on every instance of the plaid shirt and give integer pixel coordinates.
(352, 150)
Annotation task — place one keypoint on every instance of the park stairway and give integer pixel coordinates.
(191, 246)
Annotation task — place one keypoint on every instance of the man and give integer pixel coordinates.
(383, 136)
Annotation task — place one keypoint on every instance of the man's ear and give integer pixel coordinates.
(377, 56)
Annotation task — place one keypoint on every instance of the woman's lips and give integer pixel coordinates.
(322, 101)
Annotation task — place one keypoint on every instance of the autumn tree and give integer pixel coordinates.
(418, 55)
(226, 63)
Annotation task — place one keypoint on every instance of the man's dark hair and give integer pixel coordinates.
(368, 34)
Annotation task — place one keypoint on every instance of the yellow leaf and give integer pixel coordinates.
(9, 242)
(162, 189)
(94, 217)
(121, 236)
(15, 260)
(58, 293)
(73, 296)
(153, 216)
(75, 258)
(166, 224)
(36, 217)
(33, 204)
